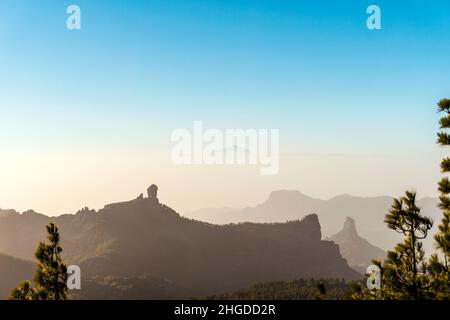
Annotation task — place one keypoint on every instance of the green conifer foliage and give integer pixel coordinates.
(50, 281)
(406, 273)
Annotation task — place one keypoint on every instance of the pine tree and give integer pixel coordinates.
(405, 273)
(50, 281)
(405, 268)
(442, 238)
(24, 291)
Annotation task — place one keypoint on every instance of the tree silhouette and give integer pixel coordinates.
(442, 238)
(50, 281)
(24, 291)
(405, 267)
(406, 274)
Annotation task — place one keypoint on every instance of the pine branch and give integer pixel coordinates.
(444, 203)
(443, 139)
(444, 105)
(444, 186)
(445, 165)
(445, 122)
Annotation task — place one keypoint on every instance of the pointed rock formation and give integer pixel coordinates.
(136, 238)
(152, 193)
(349, 229)
(358, 252)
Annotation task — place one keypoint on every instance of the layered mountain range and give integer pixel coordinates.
(142, 249)
(286, 205)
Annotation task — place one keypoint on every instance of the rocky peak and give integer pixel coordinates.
(7, 212)
(356, 250)
(350, 227)
(152, 193)
(312, 220)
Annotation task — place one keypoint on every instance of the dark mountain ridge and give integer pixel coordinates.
(13, 271)
(286, 205)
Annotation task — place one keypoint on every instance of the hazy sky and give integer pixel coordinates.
(87, 115)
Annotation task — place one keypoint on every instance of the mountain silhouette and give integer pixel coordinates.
(286, 205)
(13, 271)
(144, 239)
(358, 252)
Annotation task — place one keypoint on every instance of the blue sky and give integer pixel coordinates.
(139, 69)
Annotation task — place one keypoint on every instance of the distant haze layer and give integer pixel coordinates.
(64, 182)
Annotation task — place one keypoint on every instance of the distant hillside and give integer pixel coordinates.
(125, 288)
(358, 252)
(284, 205)
(143, 237)
(332, 289)
(13, 271)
